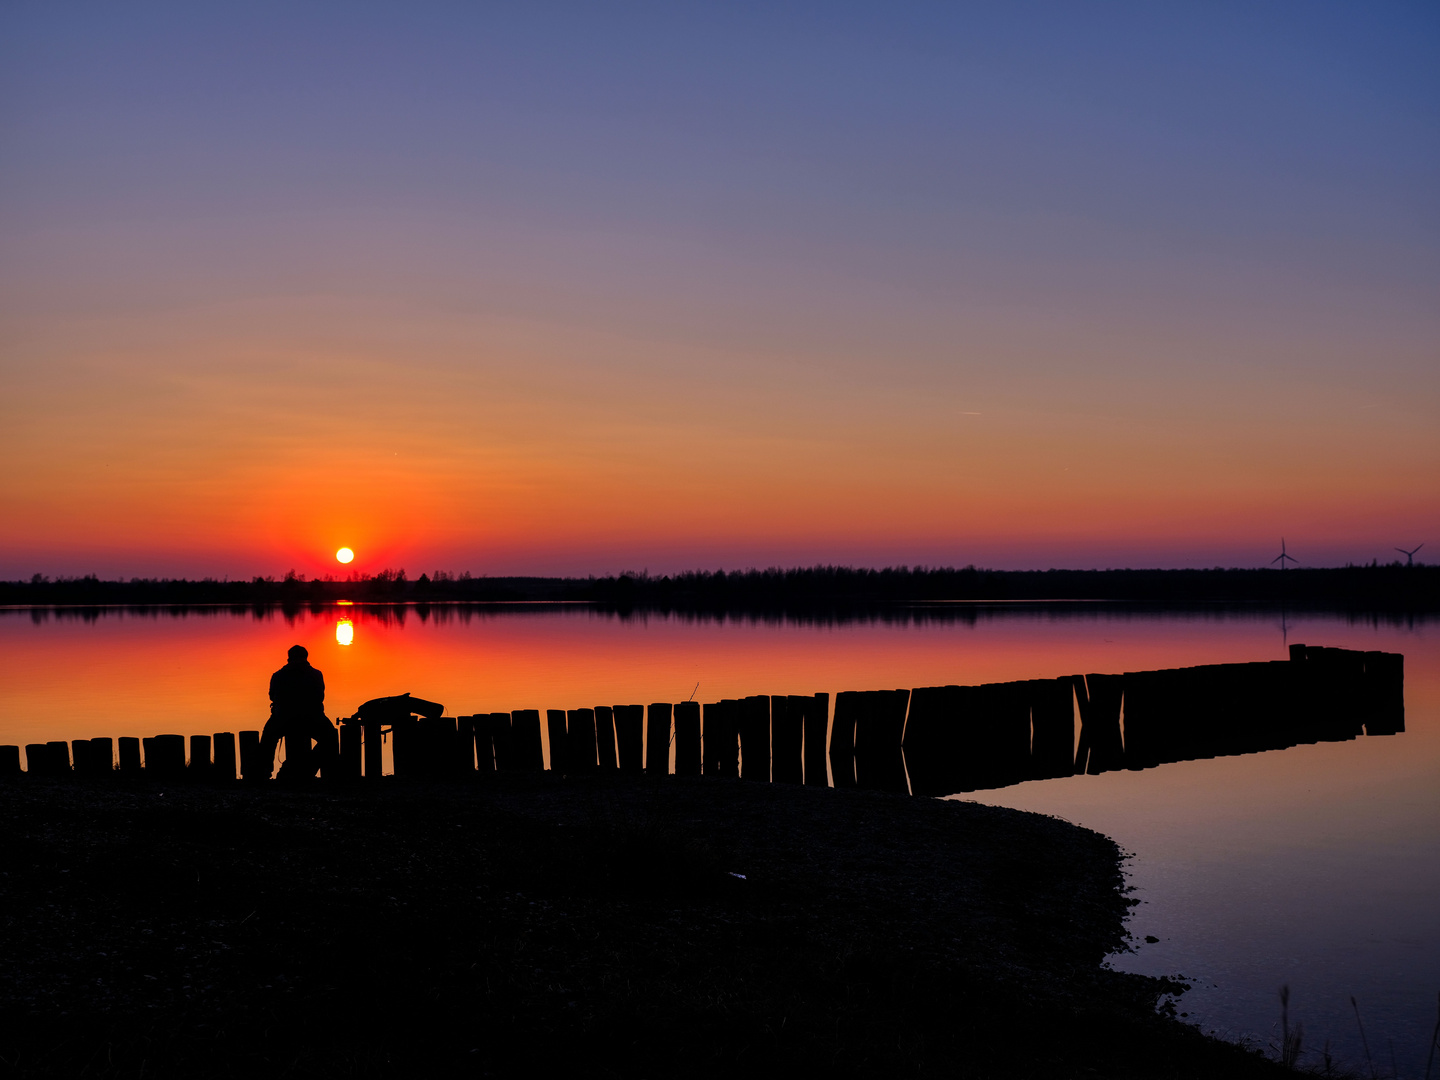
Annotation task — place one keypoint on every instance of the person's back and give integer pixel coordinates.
(297, 688)
(297, 715)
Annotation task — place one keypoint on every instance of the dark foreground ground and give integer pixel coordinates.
(536, 925)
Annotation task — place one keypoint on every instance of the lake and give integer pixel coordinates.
(1317, 866)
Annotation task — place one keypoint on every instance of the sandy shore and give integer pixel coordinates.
(611, 927)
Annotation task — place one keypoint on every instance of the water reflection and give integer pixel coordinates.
(1313, 866)
(345, 632)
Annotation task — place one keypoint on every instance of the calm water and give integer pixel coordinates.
(1317, 866)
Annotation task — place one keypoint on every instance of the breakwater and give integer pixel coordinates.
(926, 740)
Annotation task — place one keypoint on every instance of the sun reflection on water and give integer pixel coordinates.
(345, 631)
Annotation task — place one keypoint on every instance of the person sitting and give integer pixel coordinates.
(297, 715)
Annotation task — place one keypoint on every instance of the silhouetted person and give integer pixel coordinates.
(297, 715)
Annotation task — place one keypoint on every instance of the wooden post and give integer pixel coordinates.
(80, 754)
(630, 737)
(500, 750)
(525, 731)
(605, 737)
(879, 732)
(710, 740)
(1010, 739)
(580, 741)
(129, 756)
(484, 725)
(437, 746)
(351, 751)
(223, 743)
(298, 756)
(37, 759)
(787, 739)
(200, 755)
(755, 738)
(168, 759)
(374, 747)
(721, 735)
(657, 739)
(465, 745)
(9, 761)
(555, 729)
(687, 738)
(1384, 693)
(817, 722)
(403, 731)
(1052, 723)
(59, 757)
(102, 757)
(932, 740)
(842, 738)
(1100, 721)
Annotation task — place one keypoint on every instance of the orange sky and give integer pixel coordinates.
(869, 303)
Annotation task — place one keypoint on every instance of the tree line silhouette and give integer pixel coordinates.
(817, 589)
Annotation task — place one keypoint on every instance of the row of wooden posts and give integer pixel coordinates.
(931, 740)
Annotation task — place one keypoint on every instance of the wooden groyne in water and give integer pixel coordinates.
(933, 740)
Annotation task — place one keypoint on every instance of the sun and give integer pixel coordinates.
(344, 554)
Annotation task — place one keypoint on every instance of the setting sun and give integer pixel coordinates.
(344, 554)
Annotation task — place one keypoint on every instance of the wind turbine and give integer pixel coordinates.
(1283, 556)
(1410, 555)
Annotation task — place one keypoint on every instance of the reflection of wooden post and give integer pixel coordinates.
(223, 744)
(657, 739)
(630, 737)
(687, 738)
(817, 721)
(605, 737)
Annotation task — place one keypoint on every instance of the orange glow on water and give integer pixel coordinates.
(141, 674)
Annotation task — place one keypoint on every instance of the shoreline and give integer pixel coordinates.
(595, 925)
(819, 591)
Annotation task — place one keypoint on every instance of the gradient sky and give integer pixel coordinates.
(582, 288)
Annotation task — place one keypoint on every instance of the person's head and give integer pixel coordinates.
(298, 654)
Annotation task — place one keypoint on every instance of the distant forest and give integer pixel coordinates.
(818, 589)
